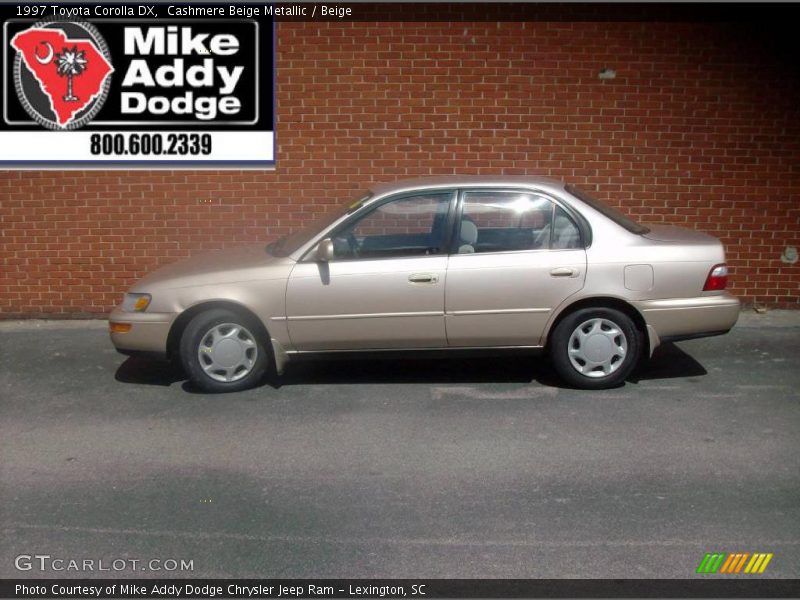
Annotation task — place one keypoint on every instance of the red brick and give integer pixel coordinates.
(680, 136)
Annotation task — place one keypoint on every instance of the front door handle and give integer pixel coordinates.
(563, 272)
(423, 278)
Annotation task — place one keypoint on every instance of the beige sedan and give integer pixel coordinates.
(443, 263)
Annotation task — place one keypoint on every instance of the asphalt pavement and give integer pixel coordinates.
(480, 467)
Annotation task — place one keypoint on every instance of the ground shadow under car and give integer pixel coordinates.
(668, 362)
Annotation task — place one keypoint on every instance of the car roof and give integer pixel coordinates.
(449, 181)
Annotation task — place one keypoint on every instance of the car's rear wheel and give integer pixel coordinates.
(595, 348)
(222, 351)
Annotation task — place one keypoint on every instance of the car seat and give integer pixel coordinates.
(468, 237)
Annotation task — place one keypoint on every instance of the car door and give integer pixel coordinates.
(384, 288)
(517, 256)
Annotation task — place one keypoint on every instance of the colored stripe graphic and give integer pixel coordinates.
(711, 562)
(758, 563)
(722, 562)
(734, 563)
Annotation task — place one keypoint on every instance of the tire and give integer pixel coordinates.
(595, 348)
(223, 351)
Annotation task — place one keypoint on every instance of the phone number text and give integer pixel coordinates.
(150, 144)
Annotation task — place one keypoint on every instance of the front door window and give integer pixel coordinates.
(409, 226)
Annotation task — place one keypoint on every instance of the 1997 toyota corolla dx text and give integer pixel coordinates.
(440, 263)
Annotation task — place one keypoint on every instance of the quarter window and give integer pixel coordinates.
(566, 234)
(513, 221)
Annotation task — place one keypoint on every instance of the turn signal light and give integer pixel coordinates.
(717, 279)
(136, 302)
(119, 327)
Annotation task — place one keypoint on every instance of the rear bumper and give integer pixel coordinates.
(686, 318)
(147, 335)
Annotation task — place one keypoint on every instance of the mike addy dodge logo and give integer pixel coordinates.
(734, 563)
(67, 74)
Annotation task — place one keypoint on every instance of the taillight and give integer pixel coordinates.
(717, 279)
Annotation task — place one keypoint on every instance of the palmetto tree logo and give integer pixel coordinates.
(70, 63)
(40, 71)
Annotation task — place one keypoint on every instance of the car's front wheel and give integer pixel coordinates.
(222, 352)
(595, 348)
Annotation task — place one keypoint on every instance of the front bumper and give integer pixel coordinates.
(148, 332)
(685, 318)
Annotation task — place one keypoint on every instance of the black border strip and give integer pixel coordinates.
(537, 11)
(707, 587)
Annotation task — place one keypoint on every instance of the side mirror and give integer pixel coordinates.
(325, 250)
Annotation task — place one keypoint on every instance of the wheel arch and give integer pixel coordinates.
(605, 302)
(180, 323)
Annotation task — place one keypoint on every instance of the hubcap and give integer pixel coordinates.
(597, 347)
(227, 352)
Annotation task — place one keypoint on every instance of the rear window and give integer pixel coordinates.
(612, 213)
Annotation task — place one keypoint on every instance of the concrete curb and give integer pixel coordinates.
(50, 324)
(748, 319)
(772, 318)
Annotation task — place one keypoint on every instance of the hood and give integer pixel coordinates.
(679, 235)
(210, 268)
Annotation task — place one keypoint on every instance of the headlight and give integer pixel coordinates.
(136, 302)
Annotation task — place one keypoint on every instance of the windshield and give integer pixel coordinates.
(611, 213)
(290, 243)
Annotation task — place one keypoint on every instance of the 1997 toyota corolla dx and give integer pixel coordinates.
(445, 263)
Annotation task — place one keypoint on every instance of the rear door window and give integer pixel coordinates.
(508, 221)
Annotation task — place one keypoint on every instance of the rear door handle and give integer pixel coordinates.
(423, 278)
(563, 272)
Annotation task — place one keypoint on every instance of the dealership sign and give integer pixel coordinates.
(136, 87)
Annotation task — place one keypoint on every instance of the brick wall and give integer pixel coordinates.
(701, 127)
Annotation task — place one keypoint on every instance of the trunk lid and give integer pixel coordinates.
(679, 235)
